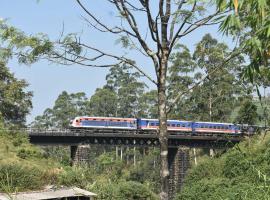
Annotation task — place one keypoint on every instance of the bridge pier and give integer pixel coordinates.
(79, 154)
(178, 159)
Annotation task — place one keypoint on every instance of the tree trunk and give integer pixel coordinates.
(210, 106)
(134, 156)
(195, 156)
(163, 134)
(121, 153)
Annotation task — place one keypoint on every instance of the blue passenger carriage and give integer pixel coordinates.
(216, 128)
(172, 125)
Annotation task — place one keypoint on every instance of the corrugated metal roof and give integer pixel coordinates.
(48, 194)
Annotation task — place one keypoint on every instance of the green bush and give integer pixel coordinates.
(25, 153)
(14, 177)
(122, 190)
(134, 190)
(242, 173)
(76, 176)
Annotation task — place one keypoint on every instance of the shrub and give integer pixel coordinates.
(14, 177)
(122, 190)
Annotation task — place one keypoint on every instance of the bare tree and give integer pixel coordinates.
(167, 22)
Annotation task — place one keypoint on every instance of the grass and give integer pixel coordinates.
(22, 165)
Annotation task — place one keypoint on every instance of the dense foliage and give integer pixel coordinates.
(15, 101)
(241, 173)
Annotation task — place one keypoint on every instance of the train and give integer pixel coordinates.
(174, 126)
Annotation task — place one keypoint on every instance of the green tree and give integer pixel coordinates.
(66, 107)
(247, 113)
(124, 82)
(148, 105)
(15, 101)
(217, 96)
(181, 77)
(103, 103)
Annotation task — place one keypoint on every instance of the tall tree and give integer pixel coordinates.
(218, 94)
(148, 105)
(124, 82)
(15, 101)
(181, 77)
(66, 107)
(247, 113)
(103, 103)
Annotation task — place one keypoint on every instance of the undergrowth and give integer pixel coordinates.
(243, 172)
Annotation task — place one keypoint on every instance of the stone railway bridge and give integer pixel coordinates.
(179, 144)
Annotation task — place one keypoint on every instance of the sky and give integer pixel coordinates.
(48, 80)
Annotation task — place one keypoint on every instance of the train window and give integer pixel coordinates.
(178, 125)
(173, 125)
(152, 124)
(168, 125)
(184, 125)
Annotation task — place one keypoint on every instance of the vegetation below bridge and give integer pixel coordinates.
(241, 173)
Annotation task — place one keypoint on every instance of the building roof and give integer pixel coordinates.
(48, 194)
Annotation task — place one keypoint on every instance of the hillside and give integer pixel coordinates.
(22, 165)
(241, 173)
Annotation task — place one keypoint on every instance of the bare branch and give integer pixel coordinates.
(151, 22)
(174, 38)
(134, 8)
(176, 15)
(120, 5)
(201, 22)
(104, 28)
(121, 59)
